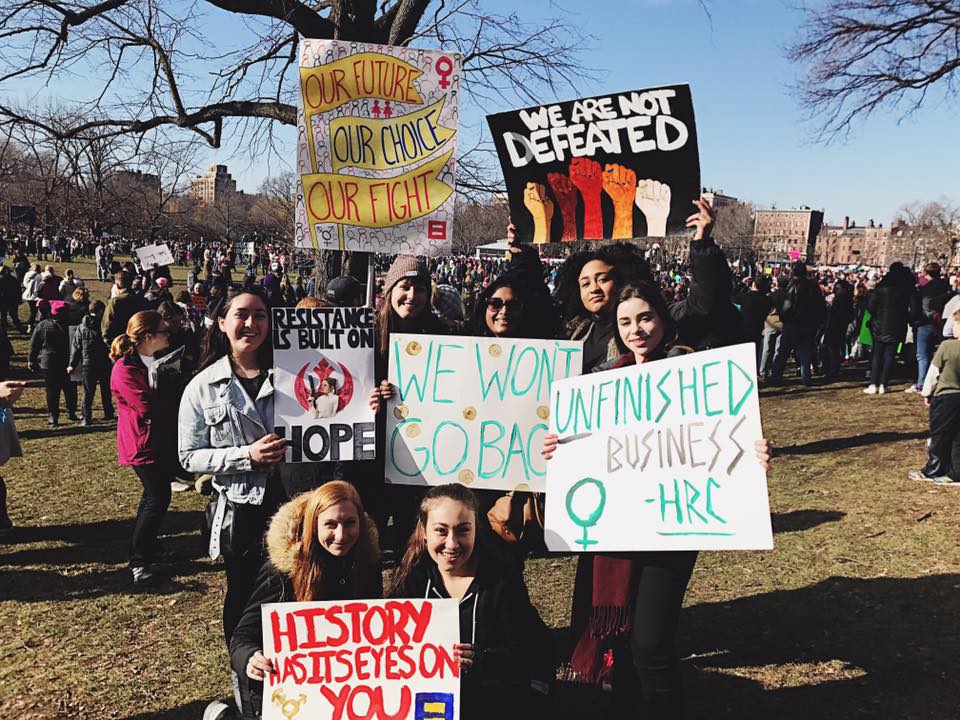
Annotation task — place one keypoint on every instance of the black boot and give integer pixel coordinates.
(53, 421)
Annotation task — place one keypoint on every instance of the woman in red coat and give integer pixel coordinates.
(146, 431)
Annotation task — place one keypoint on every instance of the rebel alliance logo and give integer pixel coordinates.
(309, 384)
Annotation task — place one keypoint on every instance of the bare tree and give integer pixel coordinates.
(734, 229)
(252, 88)
(477, 223)
(865, 55)
(932, 229)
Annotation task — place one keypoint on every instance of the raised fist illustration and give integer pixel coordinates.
(620, 183)
(653, 199)
(541, 208)
(587, 176)
(566, 194)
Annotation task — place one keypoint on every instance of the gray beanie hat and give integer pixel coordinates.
(405, 266)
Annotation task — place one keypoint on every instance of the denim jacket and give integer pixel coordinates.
(218, 423)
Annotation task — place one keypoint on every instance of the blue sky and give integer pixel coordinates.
(753, 141)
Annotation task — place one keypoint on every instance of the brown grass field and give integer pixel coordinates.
(855, 614)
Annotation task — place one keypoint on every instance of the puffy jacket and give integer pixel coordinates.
(274, 584)
(146, 421)
(889, 307)
(50, 346)
(88, 349)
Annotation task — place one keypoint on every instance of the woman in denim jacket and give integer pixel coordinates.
(226, 417)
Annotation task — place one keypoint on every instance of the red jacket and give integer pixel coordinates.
(146, 424)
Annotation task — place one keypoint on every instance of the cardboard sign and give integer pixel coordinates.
(151, 256)
(660, 456)
(376, 149)
(374, 659)
(472, 410)
(323, 371)
(617, 166)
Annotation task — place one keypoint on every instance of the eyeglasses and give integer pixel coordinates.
(496, 304)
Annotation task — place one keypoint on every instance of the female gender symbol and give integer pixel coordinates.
(594, 516)
(444, 67)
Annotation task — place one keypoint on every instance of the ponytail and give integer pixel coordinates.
(121, 346)
(142, 323)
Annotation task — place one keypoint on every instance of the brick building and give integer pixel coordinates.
(782, 234)
(214, 185)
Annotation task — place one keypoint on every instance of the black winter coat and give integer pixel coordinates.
(927, 302)
(512, 645)
(89, 350)
(889, 307)
(50, 346)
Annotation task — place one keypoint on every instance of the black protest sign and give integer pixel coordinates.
(616, 166)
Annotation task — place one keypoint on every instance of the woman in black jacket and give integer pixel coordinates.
(889, 307)
(322, 546)
(505, 650)
(50, 354)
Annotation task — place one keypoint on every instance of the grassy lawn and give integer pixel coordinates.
(854, 614)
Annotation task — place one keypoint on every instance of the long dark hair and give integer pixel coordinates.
(216, 344)
(626, 259)
(537, 317)
(650, 293)
(416, 551)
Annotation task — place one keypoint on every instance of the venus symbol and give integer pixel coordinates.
(591, 519)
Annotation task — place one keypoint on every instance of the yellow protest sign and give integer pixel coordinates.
(375, 202)
(364, 75)
(384, 144)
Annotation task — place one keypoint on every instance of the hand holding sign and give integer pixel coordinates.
(653, 199)
(541, 208)
(620, 184)
(587, 176)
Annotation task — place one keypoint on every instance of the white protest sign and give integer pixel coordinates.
(151, 256)
(323, 372)
(376, 147)
(373, 659)
(472, 410)
(660, 456)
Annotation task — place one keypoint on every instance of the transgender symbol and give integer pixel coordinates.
(592, 518)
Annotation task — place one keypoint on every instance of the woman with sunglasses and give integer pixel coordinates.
(146, 435)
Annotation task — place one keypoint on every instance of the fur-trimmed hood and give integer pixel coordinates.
(283, 535)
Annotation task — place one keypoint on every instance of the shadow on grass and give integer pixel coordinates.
(67, 428)
(799, 520)
(842, 648)
(845, 443)
(190, 711)
(105, 542)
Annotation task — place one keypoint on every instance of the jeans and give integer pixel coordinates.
(93, 378)
(649, 656)
(925, 336)
(153, 506)
(799, 339)
(770, 341)
(882, 359)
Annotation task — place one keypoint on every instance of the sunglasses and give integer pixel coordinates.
(496, 304)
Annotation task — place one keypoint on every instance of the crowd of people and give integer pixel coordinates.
(189, 376)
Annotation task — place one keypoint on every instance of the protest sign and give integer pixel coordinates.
(323, 371)
(376, 147)
(659, 456)
(472, 410)
(617, 166)
(151, 256)
(370, 659)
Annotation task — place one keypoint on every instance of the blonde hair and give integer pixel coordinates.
(307, 578)
(145, 322)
